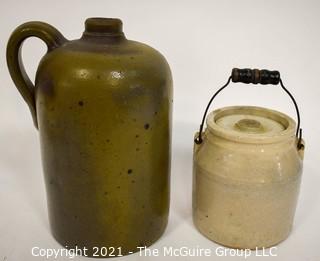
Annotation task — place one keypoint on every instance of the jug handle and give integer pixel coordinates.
(53, 39)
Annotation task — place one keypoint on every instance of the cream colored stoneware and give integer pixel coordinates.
(246, 177)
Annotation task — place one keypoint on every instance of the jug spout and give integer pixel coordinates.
(103, 29)
(103, 25)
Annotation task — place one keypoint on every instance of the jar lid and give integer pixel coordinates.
(251, 124)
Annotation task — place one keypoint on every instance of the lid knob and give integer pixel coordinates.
(249, 125)
(103, 25)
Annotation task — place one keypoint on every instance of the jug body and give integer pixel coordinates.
(103, 110)
(246, 177)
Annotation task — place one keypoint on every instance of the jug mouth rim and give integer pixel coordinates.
(288, 124)
(103, 26)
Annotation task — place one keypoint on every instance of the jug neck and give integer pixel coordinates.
(104, 29)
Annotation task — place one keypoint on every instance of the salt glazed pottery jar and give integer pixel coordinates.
(102, 105)
(247, 172)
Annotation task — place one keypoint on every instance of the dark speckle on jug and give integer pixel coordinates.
(146, 126)
(129, 171)
(81, 103)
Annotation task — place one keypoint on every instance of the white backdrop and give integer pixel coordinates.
(202, 41)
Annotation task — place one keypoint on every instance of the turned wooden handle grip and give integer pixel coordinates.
(255, 76)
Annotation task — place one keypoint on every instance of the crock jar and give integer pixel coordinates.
(246, 177)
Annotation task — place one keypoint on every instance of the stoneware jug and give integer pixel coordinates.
(247, 171)
(102, 105)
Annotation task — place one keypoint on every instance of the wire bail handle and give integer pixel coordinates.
(254, 76)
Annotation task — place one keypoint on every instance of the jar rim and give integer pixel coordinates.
(287, 122)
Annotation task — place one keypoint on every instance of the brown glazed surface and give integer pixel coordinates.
(102, 105)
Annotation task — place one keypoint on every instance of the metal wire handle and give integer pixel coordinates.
(254, 76)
